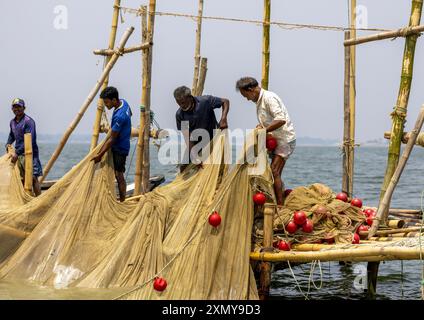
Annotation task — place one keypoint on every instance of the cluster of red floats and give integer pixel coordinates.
(300, 221)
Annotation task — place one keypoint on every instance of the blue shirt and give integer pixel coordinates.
(121, 123)
(17, 131)
(202, 116)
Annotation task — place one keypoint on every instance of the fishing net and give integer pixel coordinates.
(78, 235)
(333, 220)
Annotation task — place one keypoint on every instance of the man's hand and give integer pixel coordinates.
(97, 158)
(14, 158)
(259, 126)
(223, 124)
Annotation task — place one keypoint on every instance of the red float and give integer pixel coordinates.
(215, 219)
(259, 198)
(330, 240)
(159, 284)
(284, 246)
(291, 227)
(308, 226)
(369, 212)
(299, 218)
(342, 196)
(355, 239)
(271, 143)
(362, 228)
(287, 192)
(356, 202)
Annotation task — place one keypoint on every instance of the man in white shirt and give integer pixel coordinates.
(272, 116)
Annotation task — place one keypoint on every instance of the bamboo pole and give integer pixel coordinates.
(383, 211)
(143, 154)
(347, 179)
(358, 254)
(265, 268)
(202, 76)
(28, 162)
(197, 50)
(406, 136)
(391, 231)
(109, 52)
(352, 95)
(400, 110)
(404, 32)
(100, 107)
(87, 102)
(265, 44)
(395, 223)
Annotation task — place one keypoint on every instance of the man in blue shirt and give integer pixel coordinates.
(20, 125)
(199, 113)
(119, 140)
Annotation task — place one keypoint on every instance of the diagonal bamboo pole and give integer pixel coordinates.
(265, 44)
(404, 32)
(385, 202)
(400, 110)
(87, 102)
(197, 50)
(143, 152)
(109, 52)
(100, 107)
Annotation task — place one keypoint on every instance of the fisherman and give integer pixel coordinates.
(199, 113)
(119, 140)
(19, 126)
(274, 118)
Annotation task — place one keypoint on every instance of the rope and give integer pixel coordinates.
(283, 25)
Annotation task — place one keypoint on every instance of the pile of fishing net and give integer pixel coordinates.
(77, 234)
(333, 220)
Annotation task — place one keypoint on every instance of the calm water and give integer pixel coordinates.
(308, 165)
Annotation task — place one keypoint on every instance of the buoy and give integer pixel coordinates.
(291, 227)
(159, 284)
(215, 219)
(356, 202)
(308, 226)
(369, 212)
(259, 198)
(355, 239)
(284, 246)
(287, 192)
(299, 218)
(362, 228)
(271, 143)
(342, 196)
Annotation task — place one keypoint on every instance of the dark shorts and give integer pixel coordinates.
(119, 161)
(37, 170)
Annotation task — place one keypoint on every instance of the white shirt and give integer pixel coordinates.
(269, 108)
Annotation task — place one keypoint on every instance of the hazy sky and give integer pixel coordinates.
(54, 70)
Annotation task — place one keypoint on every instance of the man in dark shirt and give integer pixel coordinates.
(199, 113)
(119, 140)
(20, 125)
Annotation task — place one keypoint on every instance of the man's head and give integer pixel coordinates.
(249, 88)
(110, 96)
(18, 107)
(183, 97)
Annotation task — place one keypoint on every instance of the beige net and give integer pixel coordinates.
(78, 234)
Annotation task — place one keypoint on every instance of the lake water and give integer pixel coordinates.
(397, 280)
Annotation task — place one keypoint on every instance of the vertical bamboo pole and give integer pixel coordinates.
(100, 108)
(347, 147)
(28, 163)
(202, 76)
(400, 110)
(265, 44)
(197, 50)
(143, 158)
(265, 267)
(87, 102)
(352, 97)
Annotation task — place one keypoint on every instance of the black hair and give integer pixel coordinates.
(246, 83)
(110, 93)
